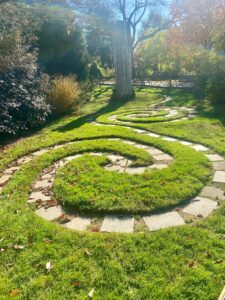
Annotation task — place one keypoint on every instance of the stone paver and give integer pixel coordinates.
(43, 184)
(11, 170)
(163, 157)
(154, 151)
(24, 160)
(40, 152)
(164, 220)
(186, 143)
(4, 179)
(219, 166)
(158, 166)
(213, 192)
(35, 196)
(169, 139)
(200, 148)
(133, 171)
(219, 177)
(153, 135)
(50, 213)
(78, 223)
(214, 157)
(201, 207)
(118, 224)
(114, 168)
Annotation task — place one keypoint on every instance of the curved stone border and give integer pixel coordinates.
(49, 209)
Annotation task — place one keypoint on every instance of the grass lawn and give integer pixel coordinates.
(186, 262)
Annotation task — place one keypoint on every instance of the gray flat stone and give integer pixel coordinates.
(169, 139)
(163, 157)
(43, 184)
(78, 223)
(24, 160)
(11, 170)
(186, 143)
(214, 157)
(139, 131)
(114, 168)
(219, 177)
(4, 179)
(118, 224)
(158, 166)
(153, 134)
(36, 196)
(50, 213)
(133, 171)
(170, 219)
(201, 206)
(219, 166)
(154, 151)
(213, 192)
(115, 158)
(40, 152)
(200, 148)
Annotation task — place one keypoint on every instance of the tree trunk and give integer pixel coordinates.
(123, 62)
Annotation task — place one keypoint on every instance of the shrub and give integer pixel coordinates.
(64, 94)
(22, 85)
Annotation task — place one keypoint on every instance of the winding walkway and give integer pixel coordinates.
(48, 208)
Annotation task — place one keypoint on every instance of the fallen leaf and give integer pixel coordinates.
(48, 266)
(19, 247)
(87, 252)
(75, 283)
(47, 241)
(90, 294)
(14, 293)
(192, 264)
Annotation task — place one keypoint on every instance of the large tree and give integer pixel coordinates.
(125, 18)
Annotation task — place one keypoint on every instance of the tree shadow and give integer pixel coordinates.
(111, 106)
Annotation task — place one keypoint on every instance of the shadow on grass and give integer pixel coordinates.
(111, 106)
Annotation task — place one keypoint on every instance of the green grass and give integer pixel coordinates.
(179, 263)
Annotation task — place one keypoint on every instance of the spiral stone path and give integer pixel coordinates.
(47, 207)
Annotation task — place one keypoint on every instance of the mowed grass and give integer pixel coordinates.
(187, 262)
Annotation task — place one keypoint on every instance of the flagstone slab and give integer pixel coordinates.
(40, 152)
(11, 170)
(118, 224)
(138, 170)
(163, 157)
(43, 184)
(169, 139)
(114, 168)
(153, 134)
(36, 196)
(158, 166)
(4, 179)
(78, 223)
(219, 177)
(186, 143)
(215, 157)
(219, 166)
(24, 160)
(213, 192)
(164, 220)
(201, 207)
(154, 151)
(50, 213)
(200, 148)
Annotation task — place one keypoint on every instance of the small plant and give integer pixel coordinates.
(64, 94)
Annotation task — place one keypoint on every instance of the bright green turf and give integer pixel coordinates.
(179, 263)
(160, 117)
(87, 187)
